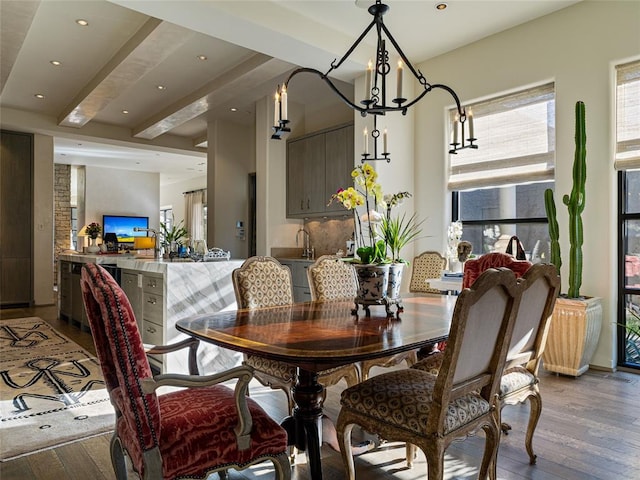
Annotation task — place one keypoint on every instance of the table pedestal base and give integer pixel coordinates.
(308, 428)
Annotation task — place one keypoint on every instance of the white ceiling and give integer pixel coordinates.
(131, 46)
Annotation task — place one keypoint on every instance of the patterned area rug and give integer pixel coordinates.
(51, 390)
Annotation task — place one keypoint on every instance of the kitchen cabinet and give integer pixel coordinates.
(317, 166)
(131, 283)
(301, 290)
(145, 292)
(70, 300)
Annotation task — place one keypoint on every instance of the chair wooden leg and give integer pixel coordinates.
(535, 403)
(411, 454)
(434, 453)
(489, 465)
(283, 467)
(344, 440)
(117, 458)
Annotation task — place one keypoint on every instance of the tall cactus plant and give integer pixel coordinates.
(575, 206)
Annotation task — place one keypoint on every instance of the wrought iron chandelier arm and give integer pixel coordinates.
(461, 111)
(335, 65)
(326, 79)
(416, 73)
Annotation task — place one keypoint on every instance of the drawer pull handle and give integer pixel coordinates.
(151, 330)
(151, 284)
(152, 301)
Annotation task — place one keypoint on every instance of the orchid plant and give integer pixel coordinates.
(383, 230)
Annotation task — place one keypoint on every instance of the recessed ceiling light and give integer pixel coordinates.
(39, 95)
(202, 57)
(125, 112)
(55, 63)
(161, 87)
(233, 109)
(82, 22)
(441, 6)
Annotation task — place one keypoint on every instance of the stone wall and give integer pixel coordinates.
(62, 213)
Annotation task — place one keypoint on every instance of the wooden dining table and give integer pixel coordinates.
(315, 336)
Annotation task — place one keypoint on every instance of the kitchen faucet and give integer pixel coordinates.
(307, 251)
(156, 250)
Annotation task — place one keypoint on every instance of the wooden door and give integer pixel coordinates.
(16, 218)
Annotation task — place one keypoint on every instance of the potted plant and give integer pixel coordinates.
(372, 263)
(93, 230)
(172, 237)
(397, 233)
(577, 319)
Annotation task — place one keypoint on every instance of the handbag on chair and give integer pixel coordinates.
(520, 255)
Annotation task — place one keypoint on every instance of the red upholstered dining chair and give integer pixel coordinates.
(430, 411)
(474, 267)
(519, 382)
(188, 433)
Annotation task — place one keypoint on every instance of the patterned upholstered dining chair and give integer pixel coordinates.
(413, 406)
(202, 428)
(475, 266)
(519, 382)
(264, 282)
(426, 265)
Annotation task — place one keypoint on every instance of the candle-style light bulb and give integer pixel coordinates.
(283, 101)
(399, 79)
(366, 141)
(384, 141)
(276, 109)
(367, 80)
(455, 129)
(470, 119)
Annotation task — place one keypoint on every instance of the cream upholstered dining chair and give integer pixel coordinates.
(540, 286)
(430, 411)
(264, 282)
(331, 278)
(426, 265)
(202, 428)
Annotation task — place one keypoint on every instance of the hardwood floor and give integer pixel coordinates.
(589, 430)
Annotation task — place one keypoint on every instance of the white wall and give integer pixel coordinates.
(43, 220)
(171, 195)
(577, 48)
(231, 157)
(121, 192)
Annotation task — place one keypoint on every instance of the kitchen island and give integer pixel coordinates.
(161, 293)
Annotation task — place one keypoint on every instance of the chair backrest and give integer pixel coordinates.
(479, 338)
(262, 282)
(331, 278)
(122, 357)
(540, 287)
(426, 265)
(474, 267)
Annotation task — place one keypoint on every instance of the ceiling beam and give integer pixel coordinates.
(144, 51)
(244, 77)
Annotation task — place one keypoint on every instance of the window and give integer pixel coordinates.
(628, 162)
(166, 217)
(498, 189)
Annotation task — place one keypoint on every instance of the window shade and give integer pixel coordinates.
(628, 116)
(516, 135)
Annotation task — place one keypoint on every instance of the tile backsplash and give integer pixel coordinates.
(328, 235)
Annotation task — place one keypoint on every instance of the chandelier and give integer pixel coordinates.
(375, 101)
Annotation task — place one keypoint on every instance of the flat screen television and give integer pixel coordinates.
(123, 227)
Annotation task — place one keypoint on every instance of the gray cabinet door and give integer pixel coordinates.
(16, 218)
(339, 164)
(317, 166)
